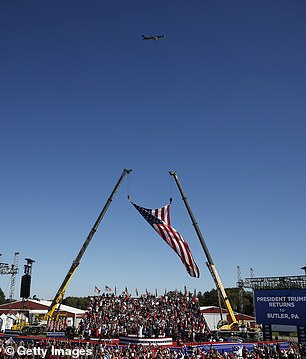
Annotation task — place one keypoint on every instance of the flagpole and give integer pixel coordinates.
(76, 262)
(210, 263)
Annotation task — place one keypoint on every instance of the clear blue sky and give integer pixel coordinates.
(220, 100)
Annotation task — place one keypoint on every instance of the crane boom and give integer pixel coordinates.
(210, 263)
(61, 291)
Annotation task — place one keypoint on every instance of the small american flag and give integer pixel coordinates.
(159, 219)
(108, 289)
(97, 290)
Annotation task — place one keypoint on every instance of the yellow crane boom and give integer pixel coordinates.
(61, 291)
(210, 264)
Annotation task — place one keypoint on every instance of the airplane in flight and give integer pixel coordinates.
(153, 37)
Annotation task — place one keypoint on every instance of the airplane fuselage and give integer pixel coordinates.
(154, 37)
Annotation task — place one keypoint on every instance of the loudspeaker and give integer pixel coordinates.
(25, 286)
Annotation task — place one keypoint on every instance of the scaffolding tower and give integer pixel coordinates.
(12, 270)
(285, 282)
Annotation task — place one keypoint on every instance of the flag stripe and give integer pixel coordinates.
(168, 239)
(159, 219)
(179, 248)
(186, 253)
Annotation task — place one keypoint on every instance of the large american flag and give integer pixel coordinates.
(159, 219)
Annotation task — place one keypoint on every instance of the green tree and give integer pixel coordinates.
(208, 298)
(77, 302)
(233, 296)
(2, 297)
(211, 298)
(248, 303)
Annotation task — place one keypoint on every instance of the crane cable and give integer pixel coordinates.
(170, 189)
(128, 188)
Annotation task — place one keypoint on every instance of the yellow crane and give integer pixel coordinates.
(233, 324)
(51, 314)
(54, 309)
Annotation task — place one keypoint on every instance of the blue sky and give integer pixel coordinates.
(220, 100)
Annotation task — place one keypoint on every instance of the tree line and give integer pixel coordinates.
(243, 305)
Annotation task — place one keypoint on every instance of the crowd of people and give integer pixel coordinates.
(51, 349)
(173, 315)
(177, 316)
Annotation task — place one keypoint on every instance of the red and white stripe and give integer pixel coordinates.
(171, 236)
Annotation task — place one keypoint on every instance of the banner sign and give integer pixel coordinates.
(55, 334)
(145, 341)
(280, 306)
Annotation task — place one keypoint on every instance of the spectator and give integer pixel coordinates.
(177, 316)
(102, 351)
